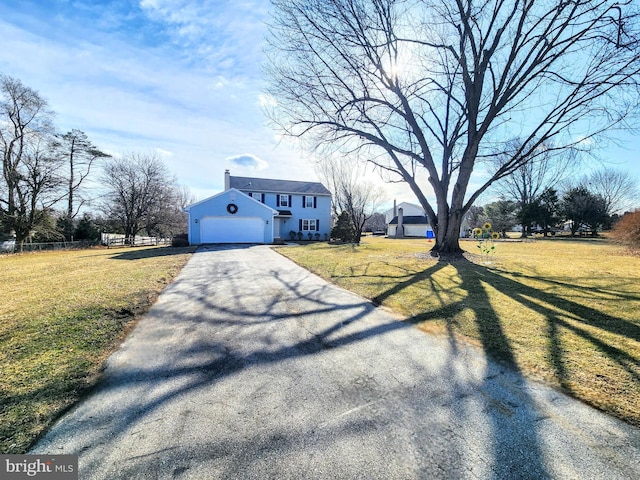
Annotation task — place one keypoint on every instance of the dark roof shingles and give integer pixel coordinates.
(411, 220)
(277, 186)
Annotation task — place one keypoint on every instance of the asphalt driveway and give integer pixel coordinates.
(248, 366)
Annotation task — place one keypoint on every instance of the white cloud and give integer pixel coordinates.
(585, 141)
(248, 161)
(163, 153)
(265, 100)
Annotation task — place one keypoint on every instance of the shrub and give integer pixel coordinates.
(343, 229)
(627, 230)
(181, 240)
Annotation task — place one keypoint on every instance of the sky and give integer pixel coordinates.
(179, 78)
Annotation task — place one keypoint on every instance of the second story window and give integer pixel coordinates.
(284, 200)
(308, 202)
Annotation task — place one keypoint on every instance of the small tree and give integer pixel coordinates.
(542, 171)
(343, 229)
(87, 229)
(474, 216)
(350, 192)
(548, 209)
(501, 215)
(376, 222)
(627, 230)
(581, 207)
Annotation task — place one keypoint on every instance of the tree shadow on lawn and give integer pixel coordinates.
(234, 332)
(560, 314)
(139, 253)
(230, 330)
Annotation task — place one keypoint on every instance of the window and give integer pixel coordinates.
(257, 196)
(309, 225)
(284, 200)
(308, 202)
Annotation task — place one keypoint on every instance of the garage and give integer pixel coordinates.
(230, 217)
(232, 230)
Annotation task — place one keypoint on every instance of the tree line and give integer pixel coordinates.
(539, 203)
(60, 186)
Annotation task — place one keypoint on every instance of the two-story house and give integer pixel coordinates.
(260, 210)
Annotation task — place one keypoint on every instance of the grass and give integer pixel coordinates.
(558, 310)
(61, 314)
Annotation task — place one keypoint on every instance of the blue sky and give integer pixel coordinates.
(180, 78)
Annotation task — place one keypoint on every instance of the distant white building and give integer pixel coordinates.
(407, 220)
(409, 210)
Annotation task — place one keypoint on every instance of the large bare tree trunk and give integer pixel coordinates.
(428, 90)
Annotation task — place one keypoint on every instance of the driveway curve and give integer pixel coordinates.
(249, 366)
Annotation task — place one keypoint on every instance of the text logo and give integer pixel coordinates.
(49, 467)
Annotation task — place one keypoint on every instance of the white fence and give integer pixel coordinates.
(9, 246)
(120, 240)
(107, 239)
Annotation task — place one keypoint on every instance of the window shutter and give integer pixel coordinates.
(304, 201)
(290, 202)
(317, 225)
(300, 225)
(262, 198)
(251, 194)
(315, 202)
(277, 199)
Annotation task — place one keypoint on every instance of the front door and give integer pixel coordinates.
(276, 228)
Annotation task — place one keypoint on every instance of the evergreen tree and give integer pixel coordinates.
(343, 229)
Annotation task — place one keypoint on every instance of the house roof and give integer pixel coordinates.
(229, 192)
(277, 186)
(404, 205)
(411, 220)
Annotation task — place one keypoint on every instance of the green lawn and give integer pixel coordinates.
(61, 314)
(562, 311)
(559, 310)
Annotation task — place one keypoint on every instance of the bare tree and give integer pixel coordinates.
(526, 184)
(501, 214)
(427, 90)
(36, 191)
(350, 193)
(79, 155)
(140, 192)
(618, 189)
(29, 172)
(376, 223)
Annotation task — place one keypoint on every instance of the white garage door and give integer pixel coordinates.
(232, 230)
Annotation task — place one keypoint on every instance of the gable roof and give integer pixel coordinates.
(225, 192)
(411, 220)
(404, 205)
(277, 186)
